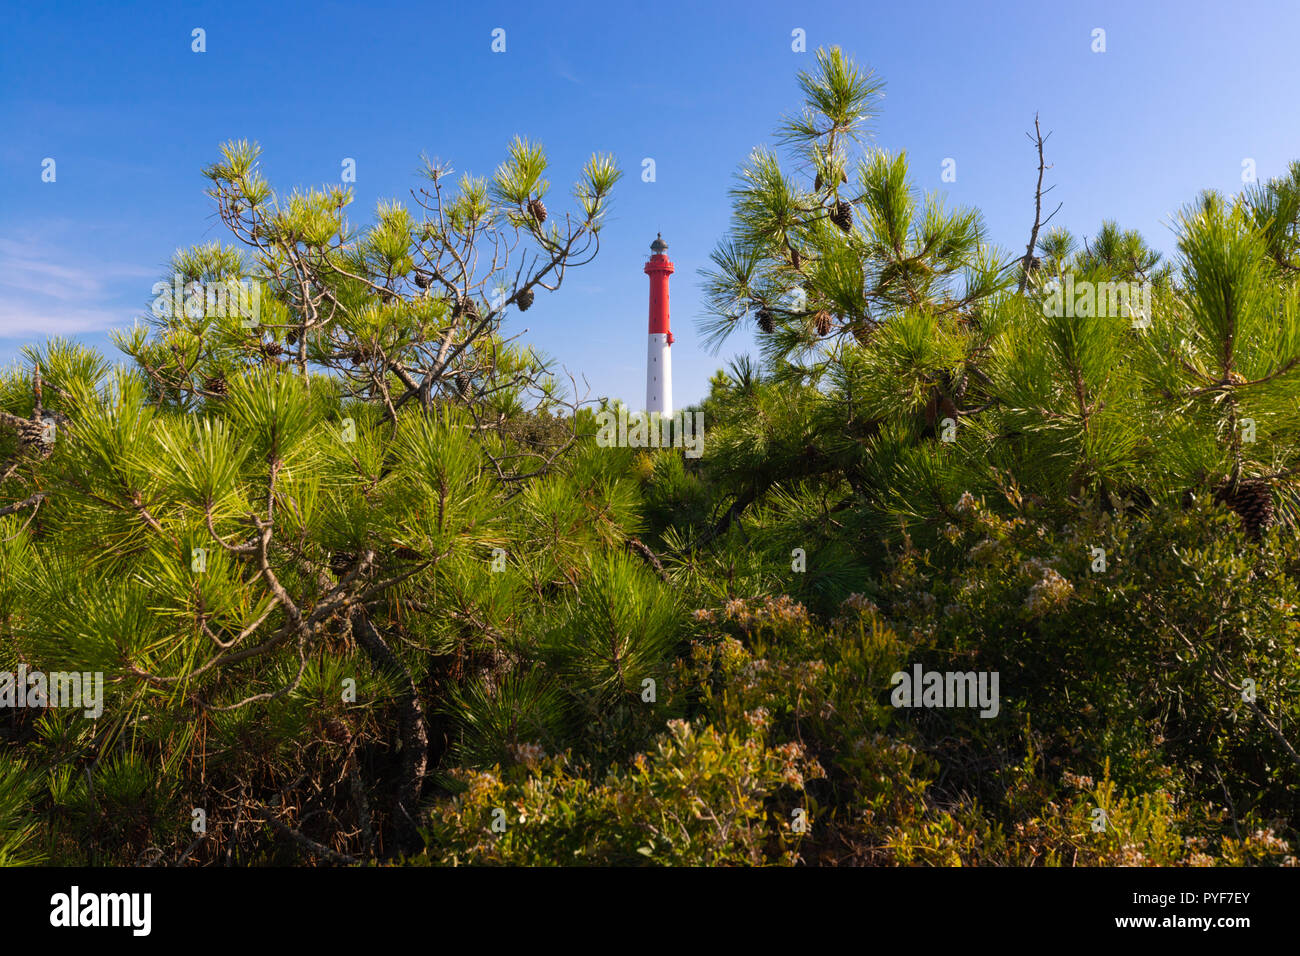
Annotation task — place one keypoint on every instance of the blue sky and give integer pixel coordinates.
(1184, 92)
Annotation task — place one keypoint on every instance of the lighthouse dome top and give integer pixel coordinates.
(659, 246)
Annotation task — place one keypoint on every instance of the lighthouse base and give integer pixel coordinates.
(659, 375)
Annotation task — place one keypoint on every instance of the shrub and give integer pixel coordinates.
(700, 797)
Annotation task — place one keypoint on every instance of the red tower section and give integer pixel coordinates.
(659, 268)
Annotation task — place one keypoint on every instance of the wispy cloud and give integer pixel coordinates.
(16, 322)
(52, 290)
(564, 69)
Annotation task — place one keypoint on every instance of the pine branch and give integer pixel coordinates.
(25, 503)
(1027, 262)
(306, 842)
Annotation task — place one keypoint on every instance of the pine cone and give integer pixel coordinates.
(30, 434)
(462, 384)
(217, 384)
(796, 258)
(465, 307)
(764, 318)
(938, 407)
(822, 321)
(273, 348)
(537, 209)
(340, 561)
(1252, 500)
(844, 177)
(338, 731)
(817, 183)
(842, 216)
(421, 279)
(525, 300)
(959, 387)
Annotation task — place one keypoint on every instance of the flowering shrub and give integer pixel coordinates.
(700, 797)
(948, 788)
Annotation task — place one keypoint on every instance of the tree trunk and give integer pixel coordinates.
(414, 733)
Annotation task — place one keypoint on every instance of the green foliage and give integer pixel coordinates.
(699, 798)
(18, 827)
(855, 246)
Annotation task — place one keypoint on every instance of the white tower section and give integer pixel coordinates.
(659, 375)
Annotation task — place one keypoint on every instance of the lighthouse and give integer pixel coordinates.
(659, 361)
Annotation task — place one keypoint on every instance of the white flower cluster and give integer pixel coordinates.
(1049, 592)
(526, 753)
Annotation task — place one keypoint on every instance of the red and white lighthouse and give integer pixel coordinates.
(659, 362)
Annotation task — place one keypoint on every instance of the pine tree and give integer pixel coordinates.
(284, 569)
(1167, 379)
(393, 309)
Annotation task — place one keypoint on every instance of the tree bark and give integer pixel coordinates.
(414, 733)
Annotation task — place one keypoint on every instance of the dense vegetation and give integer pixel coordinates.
(363, 585)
